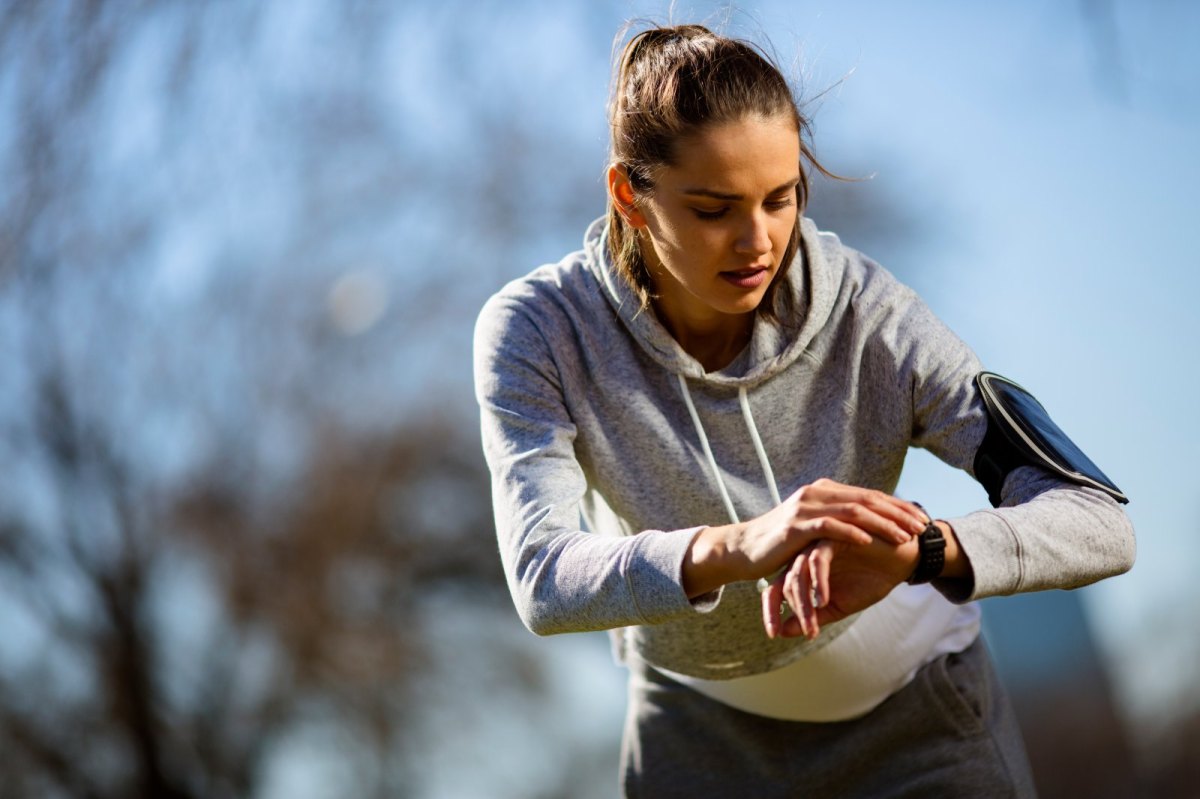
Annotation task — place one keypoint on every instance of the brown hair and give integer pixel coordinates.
(671, 82)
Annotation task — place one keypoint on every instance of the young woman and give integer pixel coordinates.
(721, 393)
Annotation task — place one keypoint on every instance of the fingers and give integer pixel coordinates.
(797, 624)
(820, 562)
(772, 598)
(900, 510)
(818, 572)
(881, 514)
(806, 589)
(894, 528)
(793, 594)
(835, 529)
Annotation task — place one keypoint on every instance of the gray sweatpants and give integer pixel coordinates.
(949, 733)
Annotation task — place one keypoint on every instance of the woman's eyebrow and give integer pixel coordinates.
(718, 195)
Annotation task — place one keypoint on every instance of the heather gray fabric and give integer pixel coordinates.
(950, 732)
(582, 414)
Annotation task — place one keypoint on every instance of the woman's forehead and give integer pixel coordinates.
(753, 155)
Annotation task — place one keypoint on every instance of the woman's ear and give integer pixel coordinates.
(620, 190)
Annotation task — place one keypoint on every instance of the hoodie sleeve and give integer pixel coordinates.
(1047, 533)
(562, 579)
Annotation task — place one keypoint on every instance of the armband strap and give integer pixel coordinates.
(1021, 433)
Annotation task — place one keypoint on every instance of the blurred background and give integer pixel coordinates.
(245, 536)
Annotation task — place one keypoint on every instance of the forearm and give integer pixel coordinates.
(1047, 535)
(576, 581)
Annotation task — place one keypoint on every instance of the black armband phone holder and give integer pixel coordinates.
(1021, 433)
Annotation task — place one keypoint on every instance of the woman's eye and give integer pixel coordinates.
(702, 213)
(780, 204)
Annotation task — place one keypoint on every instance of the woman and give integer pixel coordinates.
(724, 394)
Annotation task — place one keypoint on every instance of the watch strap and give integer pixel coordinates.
(932, 558)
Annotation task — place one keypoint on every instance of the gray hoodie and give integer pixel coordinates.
(586, 422)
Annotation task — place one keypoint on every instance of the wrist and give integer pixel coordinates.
(957, 566)
(938, 555)
(706, 566)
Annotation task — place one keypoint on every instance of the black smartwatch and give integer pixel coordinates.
(932, 559)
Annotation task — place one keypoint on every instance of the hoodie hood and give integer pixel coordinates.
(805, 301)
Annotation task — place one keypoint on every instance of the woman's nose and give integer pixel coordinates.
(755, 238)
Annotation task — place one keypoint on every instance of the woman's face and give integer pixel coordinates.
(718, 222)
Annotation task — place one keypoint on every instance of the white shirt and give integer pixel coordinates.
(878, 655)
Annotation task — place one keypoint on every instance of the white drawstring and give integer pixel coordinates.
(712, 462)
(758, 446)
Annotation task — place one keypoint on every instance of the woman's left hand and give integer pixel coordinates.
(831, 580)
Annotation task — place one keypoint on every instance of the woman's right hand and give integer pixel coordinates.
(825, 509)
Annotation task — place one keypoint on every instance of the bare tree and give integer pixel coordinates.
(192, 580)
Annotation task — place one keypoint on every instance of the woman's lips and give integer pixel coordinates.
(747, 278)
